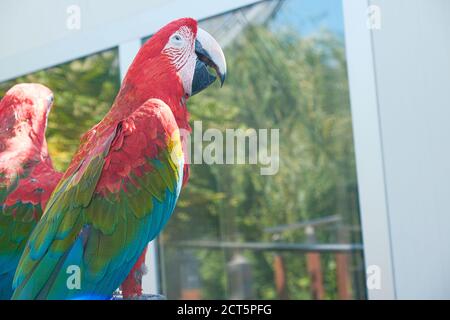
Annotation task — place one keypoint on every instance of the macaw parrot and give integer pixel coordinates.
(27, 179)
(124, 180)
(27, 176)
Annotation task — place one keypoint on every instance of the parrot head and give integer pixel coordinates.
(27, 104)
(178, 58)
(191, 51)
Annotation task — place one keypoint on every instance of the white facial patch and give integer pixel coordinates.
(181, 52)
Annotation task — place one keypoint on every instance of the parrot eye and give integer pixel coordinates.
(176, 40)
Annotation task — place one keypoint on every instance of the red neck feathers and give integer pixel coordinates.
(151, 75)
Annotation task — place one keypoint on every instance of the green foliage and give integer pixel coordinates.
(84, 90)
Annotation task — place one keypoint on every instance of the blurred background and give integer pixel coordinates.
(237, 234)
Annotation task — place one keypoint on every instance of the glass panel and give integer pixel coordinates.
(236, 233)
(294, 234)
(84, 90)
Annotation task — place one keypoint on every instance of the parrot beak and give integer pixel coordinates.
(50, 99)
(209, 54)
(49, 102)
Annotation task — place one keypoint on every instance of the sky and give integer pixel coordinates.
(309, 16)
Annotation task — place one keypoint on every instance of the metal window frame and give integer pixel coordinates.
(127, 35)
(368, 143)
(78, 44)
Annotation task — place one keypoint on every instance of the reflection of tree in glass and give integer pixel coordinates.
(84, 90)
(297, 85)
(275, 81)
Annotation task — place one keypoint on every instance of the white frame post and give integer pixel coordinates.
(368, 150)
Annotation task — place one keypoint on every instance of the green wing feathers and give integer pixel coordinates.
(107, 206)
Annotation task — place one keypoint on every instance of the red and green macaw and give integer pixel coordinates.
(27, 176)
(27, 179)
(124, 181)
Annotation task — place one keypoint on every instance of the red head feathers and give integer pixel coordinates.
(23, 149)
(23, 120)
(172, 65)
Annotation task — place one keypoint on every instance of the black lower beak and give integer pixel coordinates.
(203, 78)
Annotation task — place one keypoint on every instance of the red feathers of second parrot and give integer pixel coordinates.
(27, 176)
(24, 158)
